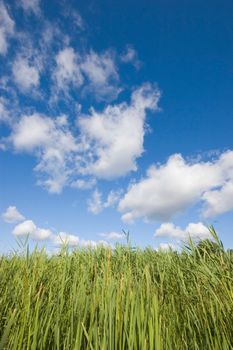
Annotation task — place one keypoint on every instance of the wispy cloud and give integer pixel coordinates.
(131, 56)
(7, 26)
(96, 204)
(30, 6)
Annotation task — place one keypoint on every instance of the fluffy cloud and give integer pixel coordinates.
(12, 215)
(112, 145)
(193, 230)
(53, 144)
(110, 236)
(96, 205)
(6, 28)
(173, 187)
(28, 228)
(25, 75)
(106, 147)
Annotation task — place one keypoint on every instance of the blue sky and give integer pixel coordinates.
(115, 115)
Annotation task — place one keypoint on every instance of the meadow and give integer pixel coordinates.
(121, 298)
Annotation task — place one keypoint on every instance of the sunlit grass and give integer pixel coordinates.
(120, 298)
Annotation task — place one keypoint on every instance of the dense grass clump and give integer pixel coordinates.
(120, 298)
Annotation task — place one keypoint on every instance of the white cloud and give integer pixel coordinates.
(101, 72)
(12, 215)
(112, 235)
(193, 230)
(96, 205)
(78, 20)
(130, 56)
(67, 70)
(28, 227)
(30, 6)
(173, 187)
(96, 73)
(53, 144)
(74, 241)
(6, 28)
(25, 75)
(4, 113)
(84, 184)
(105, 146)
(166, 247)
(112, 145)
(65, 238)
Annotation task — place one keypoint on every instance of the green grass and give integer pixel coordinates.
(120, 298)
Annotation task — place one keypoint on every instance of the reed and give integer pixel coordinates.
(119, 298)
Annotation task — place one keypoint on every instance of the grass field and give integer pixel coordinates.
(120, 298)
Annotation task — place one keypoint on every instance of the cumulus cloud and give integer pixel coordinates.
(53, 144)
(111, 236)
(28, 228)
(192, 230)
(130, 56)
(6, 28)
(104, 146)
(12, 215)
(25, 75)
(112, 145)
(171, 188)
(96, 205)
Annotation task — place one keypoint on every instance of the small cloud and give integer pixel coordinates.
(65, 238)
(83, 184)
(26, 75)
(166, 247)
(96, 205)
(12, 215)
(112, 235)
(28, 228)
(193, 230)
(130, 56)
(78, 20)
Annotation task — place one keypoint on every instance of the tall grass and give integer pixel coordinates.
(120, 298)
